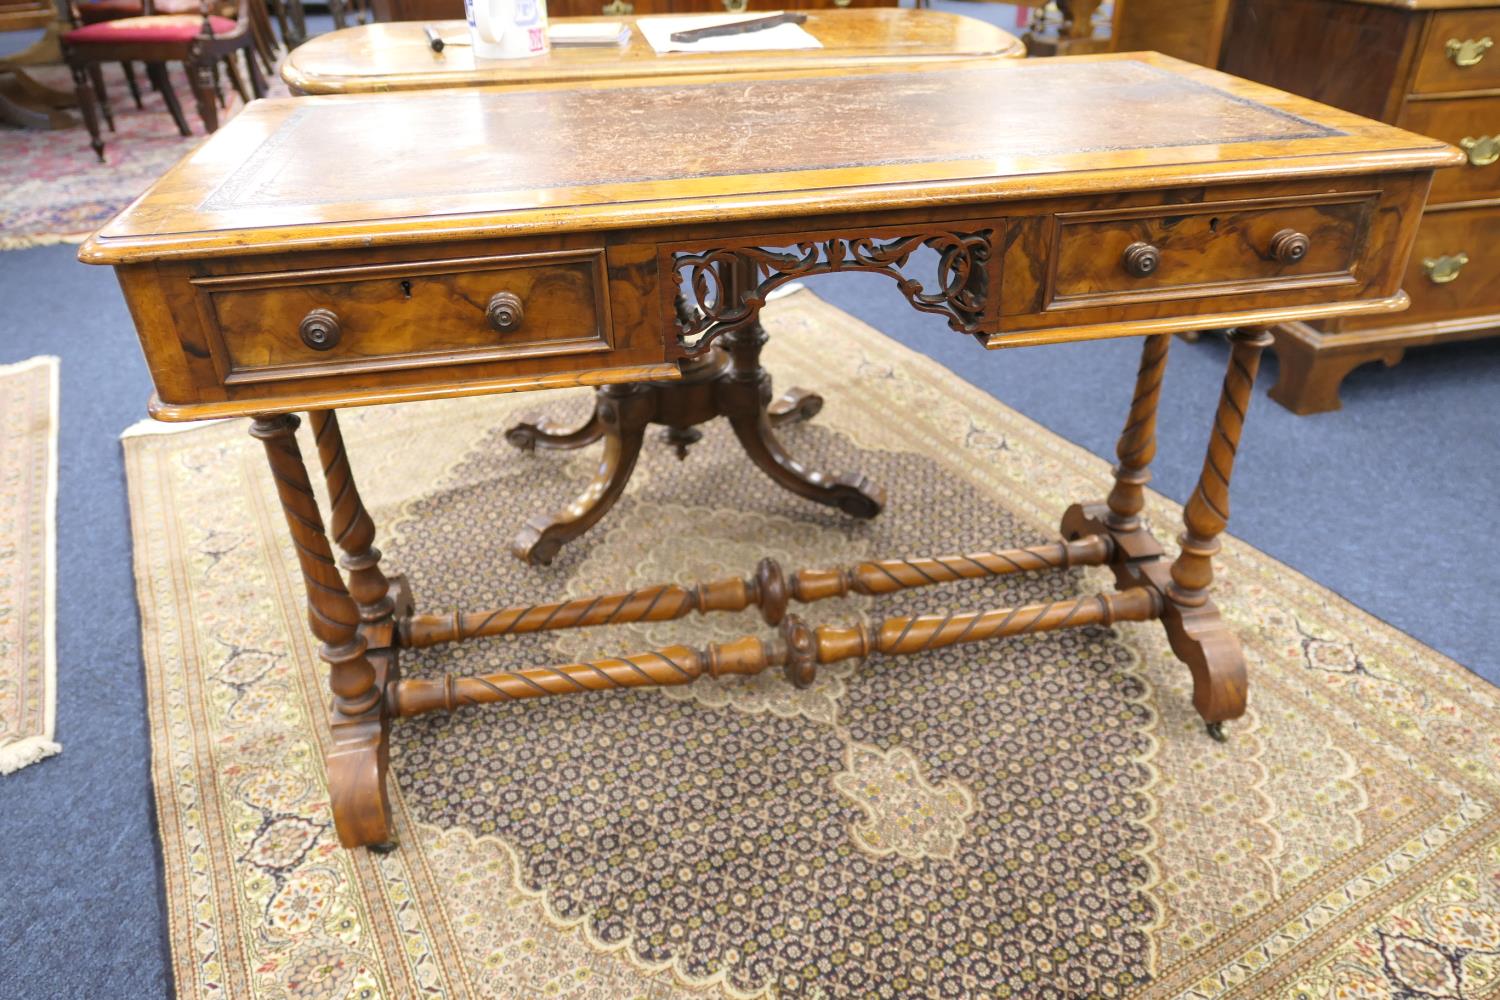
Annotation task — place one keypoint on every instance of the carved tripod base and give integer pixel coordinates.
(725, 383)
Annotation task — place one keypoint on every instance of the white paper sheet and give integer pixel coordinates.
(658, 31)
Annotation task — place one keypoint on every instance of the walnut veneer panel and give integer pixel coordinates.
(517, 161)
(396, 56)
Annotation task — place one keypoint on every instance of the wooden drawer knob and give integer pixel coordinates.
(1289, 246)
(1468, 52)
(320, 329)
(1141, 259)
(505, 312)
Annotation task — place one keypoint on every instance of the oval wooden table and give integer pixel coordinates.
(396, 57)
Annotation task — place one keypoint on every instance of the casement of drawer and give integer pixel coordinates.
(1164, 252)
(1472, 124)
(1461, 52)
(1454, 270)
(420, 314)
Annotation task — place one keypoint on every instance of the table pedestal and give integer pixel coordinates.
(728, 381)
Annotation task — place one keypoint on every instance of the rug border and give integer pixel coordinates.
(30, 749)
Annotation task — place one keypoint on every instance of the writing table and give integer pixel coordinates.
(397, 57)
(567, 241)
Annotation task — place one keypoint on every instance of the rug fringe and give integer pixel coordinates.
(15, 756)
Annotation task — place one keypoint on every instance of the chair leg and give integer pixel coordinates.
(135, 91)
(161, 79)
(201, 76)
(235, 79)
(257, 82)
(97, 76)
(218, 84)
(86, 106)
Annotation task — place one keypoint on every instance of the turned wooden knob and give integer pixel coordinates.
(1289, 246)
(320, 329)
(1141, 259)
(504, 312)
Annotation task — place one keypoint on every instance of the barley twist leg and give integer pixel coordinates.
(357, 762)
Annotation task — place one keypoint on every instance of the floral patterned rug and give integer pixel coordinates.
(54, 190)
(28, 572)
(1040, 817)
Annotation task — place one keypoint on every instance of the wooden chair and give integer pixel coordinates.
(200, 42)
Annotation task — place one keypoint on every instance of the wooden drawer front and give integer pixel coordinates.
(1473, 124)
(607, 8)
(407, 315)
(1469, 232)
(1455, 56)
(1206, 249)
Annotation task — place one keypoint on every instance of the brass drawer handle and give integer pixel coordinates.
(736, 6)
(617, 7)
(1482, 151)
(1141, 259)
(842, 3)
(1289, 246)
(504, 312)
(1441, 270)
(320, 329)
(1468, 52)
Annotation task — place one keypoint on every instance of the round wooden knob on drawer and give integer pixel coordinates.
(1141, 259)
(320, 329)
(505, 312)
(1289, 246)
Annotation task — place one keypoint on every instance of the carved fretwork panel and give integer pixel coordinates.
(719, 287)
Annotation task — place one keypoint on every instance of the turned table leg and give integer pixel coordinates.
(1199, 634)
(358, 718)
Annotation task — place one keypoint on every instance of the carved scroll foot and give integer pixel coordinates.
(794, 406)
(1199, 636)
(851, 492)
(358, 763)
(624, 412)
(544, 434)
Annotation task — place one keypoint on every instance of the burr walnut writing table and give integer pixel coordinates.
(504, 240)
(397, 57)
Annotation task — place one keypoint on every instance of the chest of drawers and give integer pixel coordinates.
(1430, 66)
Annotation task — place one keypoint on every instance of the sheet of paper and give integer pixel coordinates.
(658, 31)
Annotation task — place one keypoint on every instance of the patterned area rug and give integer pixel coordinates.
(1042, 817)
(28, 570)
(54, 190)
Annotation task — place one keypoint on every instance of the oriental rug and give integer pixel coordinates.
(52, 187)
(28, 562)
(1042, 817)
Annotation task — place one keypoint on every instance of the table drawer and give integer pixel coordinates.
(1173, 251)
(1460, 52)
(1472, 124)
(1458, 246)
(304, 324)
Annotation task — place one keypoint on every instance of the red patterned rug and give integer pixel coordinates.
(53, 189)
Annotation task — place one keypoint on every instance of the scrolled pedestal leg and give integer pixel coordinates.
(358, 719)
(743, 394)
(623, 411)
